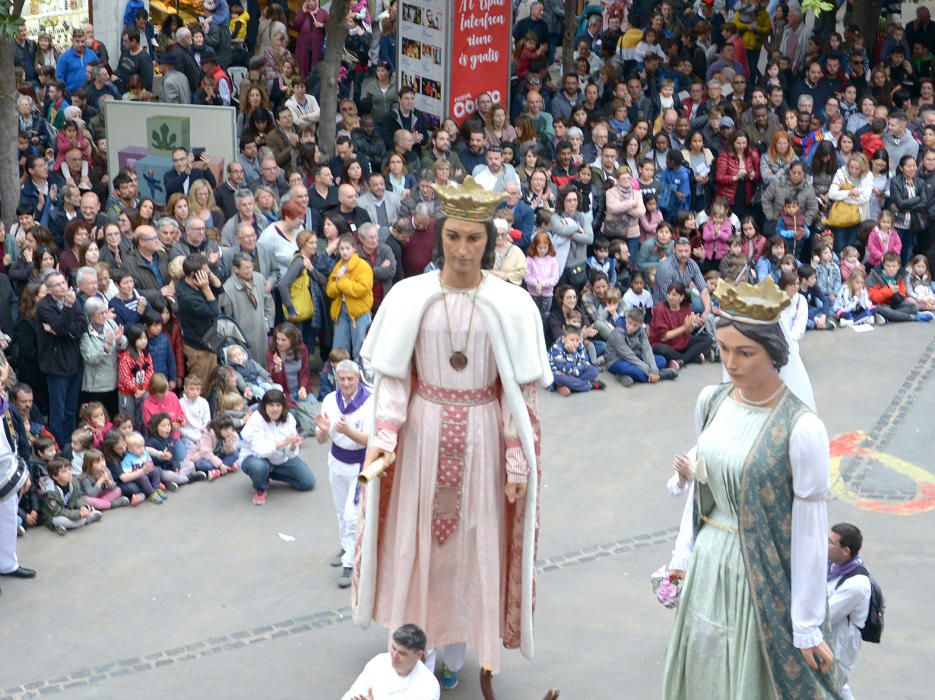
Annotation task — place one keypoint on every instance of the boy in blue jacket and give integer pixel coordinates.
(570, 365)
(676, 178)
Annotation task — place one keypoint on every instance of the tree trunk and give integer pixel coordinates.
(335, 36)
(568, 36)
(867, 18)
(9, 122)
(9, 128)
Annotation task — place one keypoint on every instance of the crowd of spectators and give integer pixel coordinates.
(690, 142)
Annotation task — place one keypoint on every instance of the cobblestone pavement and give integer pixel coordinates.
(203, 598)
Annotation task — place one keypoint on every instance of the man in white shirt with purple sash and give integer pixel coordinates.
(346, 419)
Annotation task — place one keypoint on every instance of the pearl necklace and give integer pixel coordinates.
(762, 402)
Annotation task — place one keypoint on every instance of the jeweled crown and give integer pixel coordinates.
(468, 201)
(751, 303)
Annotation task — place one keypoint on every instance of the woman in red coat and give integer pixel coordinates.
(287, 362)
(310, 23)
(738, 173)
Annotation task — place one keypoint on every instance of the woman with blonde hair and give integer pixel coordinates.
(852, 185)
(201, 204)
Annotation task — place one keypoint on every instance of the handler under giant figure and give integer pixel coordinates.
(448, 534)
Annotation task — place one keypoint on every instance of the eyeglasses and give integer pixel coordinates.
(149, 238)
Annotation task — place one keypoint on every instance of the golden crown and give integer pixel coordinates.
(759, 304)
(468, 201)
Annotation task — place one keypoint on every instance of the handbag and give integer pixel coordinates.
(301, 296)
(576, 276)
(844, 214)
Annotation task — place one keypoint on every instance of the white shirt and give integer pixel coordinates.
(361, 419)
(381, 678)
(260, 438)
(848, 607)
(197, 416)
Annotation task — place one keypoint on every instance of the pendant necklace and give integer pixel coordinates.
(761, 402)
(458, 359)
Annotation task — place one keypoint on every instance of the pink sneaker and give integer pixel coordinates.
(259, 498)
(234, 467)
(214, 474)
(137, 499)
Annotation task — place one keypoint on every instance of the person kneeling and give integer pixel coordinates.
(399, 672)
(630, 357)
(571, 368)
(62, 503)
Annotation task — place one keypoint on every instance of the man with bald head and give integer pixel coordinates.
(348, 209)
(149, 264)
(541, 119)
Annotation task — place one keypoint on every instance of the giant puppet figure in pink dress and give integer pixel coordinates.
(448, 535)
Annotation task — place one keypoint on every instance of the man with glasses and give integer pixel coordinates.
(194, 241)
(61, 323)
(224, 195)
(186, 171)
(148, 263)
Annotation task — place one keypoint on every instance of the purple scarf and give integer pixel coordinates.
(356, 402)
(834, 570)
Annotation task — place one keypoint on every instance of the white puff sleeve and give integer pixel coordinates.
(809, 454)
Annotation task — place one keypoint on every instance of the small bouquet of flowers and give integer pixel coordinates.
(666, 589)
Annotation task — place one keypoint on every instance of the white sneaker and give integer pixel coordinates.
(845, 323)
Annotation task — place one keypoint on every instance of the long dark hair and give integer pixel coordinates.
(486, 263)
(274, 396)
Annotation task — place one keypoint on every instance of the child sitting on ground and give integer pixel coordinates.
(853, 305)
(735, 266)
(638, 297)
(196, 410)
(138, 474)
(161, 400)
(82, 440)
(44, 451)
(97, 483)
(629, 355)
(609, 315)
(886, 287)
(819, 307)
(93, 416)
(218, 450)
(753, 242)
(63, 506)
(223, 393)
(768, 265)
(571, 368)
(161, 446)
(828, 273)
(883, 239)
(577, 320)
(919, 283)
(254, 379)
(601, 261)
(850, 261)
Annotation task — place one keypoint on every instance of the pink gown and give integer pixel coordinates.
(457, 590)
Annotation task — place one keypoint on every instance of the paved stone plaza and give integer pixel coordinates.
(202, 598)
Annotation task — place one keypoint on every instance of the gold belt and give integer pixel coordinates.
(718, 525)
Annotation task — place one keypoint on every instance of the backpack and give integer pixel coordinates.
(872, 630)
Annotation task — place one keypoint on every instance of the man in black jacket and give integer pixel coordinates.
(148, 263)
(186, 172)
(61, 325)
(196, 295)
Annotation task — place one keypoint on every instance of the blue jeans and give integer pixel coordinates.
(908, 239)
(580, 383)
(293, 471)
(631, 370)
(349, 334)
(824, 310)
(64, 395)
(633, 244)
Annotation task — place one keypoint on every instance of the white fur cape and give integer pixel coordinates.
(518, 343)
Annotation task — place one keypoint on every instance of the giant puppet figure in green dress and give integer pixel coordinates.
(753, 537)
